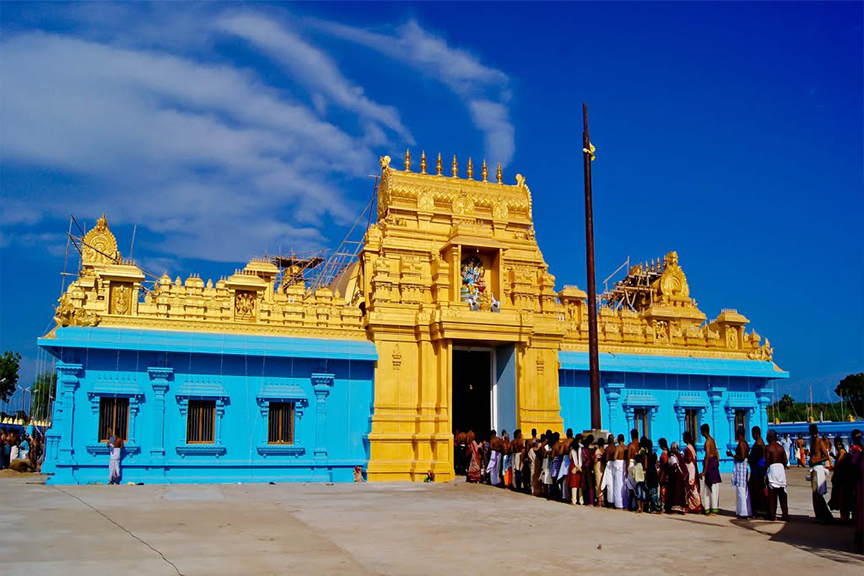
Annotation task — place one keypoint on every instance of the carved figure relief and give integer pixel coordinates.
(463, 205)
(499, 211)
(426, 202)
(121, 299)
(244, 306)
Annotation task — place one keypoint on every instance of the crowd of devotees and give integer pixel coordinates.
(635, 475)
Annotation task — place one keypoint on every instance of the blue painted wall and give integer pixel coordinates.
(666, 387)
(330, 382)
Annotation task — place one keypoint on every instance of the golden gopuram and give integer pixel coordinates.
(448, 319)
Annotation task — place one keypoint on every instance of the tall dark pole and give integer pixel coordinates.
(593, 358)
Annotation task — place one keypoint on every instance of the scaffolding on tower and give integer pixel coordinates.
(346, 254)
(636, 290)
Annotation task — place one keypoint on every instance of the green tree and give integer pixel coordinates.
(44, 389)
(851, 389)
(10, 362)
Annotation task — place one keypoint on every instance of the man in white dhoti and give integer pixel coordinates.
(114, 461)
(740, 474)
(777, 460)
(493, 469)
(819, 476)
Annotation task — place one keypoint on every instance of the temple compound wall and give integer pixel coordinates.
(448, 319)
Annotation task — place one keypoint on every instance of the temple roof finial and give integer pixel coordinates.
(470, 170)
(423, 162)
(455, 167)
(407, 160)
(438, 165)
(485, 171)
(498, 174)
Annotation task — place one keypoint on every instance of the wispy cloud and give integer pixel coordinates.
(483, 89)
(315, 69)
(185, 147)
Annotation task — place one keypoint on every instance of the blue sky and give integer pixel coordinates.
(730, 132)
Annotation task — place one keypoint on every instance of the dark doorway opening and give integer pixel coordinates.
(472, 391)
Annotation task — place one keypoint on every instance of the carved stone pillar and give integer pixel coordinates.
(763, 398)
(715, 395)
(159, 376)
(614, 390)
(321, 384)
(67, 383)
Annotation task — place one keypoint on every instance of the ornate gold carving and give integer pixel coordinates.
(121, 299)
(426, 202)
(463, 205)
(244, 306)
(385, 162)
(499, 211)
(396, 357)
(99, 245)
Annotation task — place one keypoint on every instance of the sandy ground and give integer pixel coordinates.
(397, 528)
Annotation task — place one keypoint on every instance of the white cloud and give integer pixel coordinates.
(206, 154)
(311, 66)
(483, 89)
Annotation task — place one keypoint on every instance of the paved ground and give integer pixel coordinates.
(450, 529)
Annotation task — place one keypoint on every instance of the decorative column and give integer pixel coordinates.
(159, 376)
(680, 414)
(763, 398)
(321, 384)
(715, 396)
(730, 417)
(67, 382)
(614, 390)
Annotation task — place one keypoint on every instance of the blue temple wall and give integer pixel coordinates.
(330, 383)
(665, 388)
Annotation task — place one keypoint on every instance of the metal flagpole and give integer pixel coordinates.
(593, 358)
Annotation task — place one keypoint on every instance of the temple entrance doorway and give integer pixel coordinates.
(474, 390)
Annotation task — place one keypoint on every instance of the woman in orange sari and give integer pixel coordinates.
(475, 466)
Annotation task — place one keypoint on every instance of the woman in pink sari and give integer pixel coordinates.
(475, 466)
(694, 500)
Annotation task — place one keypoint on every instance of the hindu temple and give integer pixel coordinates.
(447, 319)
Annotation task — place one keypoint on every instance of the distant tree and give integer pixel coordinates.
(44, 389)
(786, 402)
(10, 362)
(851, 389)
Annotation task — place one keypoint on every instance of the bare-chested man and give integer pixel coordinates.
(517, 449)
(557, 456)
(710, 473)
(620, 474)
(819, 476)
(777, 461)
(740, 474)
(632, 451)
(493, 469)
(800, 447)
(609, 471)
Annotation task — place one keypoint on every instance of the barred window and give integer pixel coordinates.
(113, 418)
(200, 422)
(740, 419)
(640, 417)
(692, 422)
(280, 429)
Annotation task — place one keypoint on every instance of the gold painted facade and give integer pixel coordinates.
(406, 294)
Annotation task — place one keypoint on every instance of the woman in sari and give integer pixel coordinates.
(676, 499)
(691, 479)
(475, 461)
(842, 481)
(663, 473)
(758, 470)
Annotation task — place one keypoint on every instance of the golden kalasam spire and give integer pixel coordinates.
(438, 165)
(455, 167)
(407, 160)
(470, 170)
(498, 174)
(485, 171)
(423, 162)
